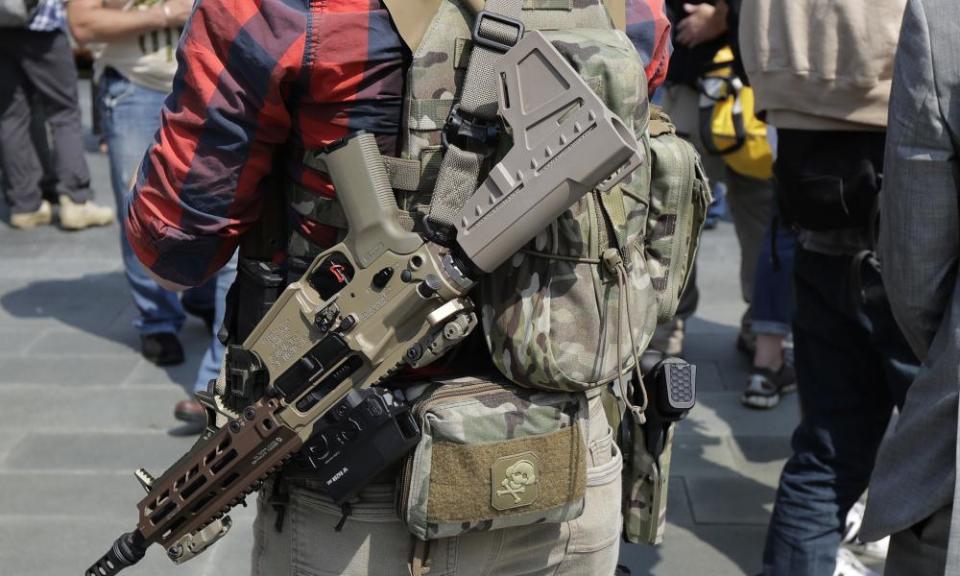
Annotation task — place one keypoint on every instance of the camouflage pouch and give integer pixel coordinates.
(569, 310)
(678, 195)
(493, 456)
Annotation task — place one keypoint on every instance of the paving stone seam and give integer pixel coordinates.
(23, 352)
(126, 382)
(154, 432)
(11, 441)
(135, 386)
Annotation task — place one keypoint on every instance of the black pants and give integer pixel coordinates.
(853, 366)
(40, 63)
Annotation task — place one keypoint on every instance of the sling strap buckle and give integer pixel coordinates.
(492, 30)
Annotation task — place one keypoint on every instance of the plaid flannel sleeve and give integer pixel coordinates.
(201, 181)
(649, 29)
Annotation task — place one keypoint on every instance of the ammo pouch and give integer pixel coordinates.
(492, 456)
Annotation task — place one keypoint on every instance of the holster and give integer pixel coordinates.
(647, 448)
(257, 286)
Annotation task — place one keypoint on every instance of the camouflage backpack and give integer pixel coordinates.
(572, 309)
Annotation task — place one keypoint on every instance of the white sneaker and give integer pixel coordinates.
(851, 536)
(850, 565)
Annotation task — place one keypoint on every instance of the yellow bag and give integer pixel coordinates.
(728, 126)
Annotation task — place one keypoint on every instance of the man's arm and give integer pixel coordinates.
(201, 182)
(97, 21)
(919, 232)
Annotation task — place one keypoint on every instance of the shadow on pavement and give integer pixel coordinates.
(99, 307)
(90, 303)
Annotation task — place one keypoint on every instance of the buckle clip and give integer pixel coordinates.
(493, 43)
(469, 133)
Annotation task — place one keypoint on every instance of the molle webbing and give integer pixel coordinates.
(413, 17)
(460, 169)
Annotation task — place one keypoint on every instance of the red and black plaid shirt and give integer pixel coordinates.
(263, 80)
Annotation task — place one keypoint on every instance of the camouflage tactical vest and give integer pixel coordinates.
(570, 310)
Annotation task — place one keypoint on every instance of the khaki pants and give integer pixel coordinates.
(374, 542)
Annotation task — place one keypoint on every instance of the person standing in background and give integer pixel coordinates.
(822, 77)
(701, 29)
(766, 288)
(135, 71)
(37, 59)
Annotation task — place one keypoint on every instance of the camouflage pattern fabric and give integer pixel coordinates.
(493, 456)
(553, 315)
(645, 481)
(679, 195)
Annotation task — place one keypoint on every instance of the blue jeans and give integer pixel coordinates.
(772, 301)
(213, 357)
(853, 366)
(130, 116)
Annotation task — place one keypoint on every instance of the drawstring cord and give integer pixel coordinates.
(614, 263)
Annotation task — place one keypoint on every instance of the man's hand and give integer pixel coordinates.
(177, 11)
(704, 22)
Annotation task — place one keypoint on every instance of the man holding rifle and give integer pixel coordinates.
(258, 84)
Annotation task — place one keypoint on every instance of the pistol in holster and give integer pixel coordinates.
(671, 393)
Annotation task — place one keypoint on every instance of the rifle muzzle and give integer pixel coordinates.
(126, 551)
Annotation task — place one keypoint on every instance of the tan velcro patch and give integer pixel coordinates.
(471, 483)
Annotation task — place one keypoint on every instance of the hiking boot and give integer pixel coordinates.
(765, 387)
(75, 216)
(161, 348)
(26, 220)
(850, 565)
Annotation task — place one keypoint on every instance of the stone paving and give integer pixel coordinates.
(81, 410)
